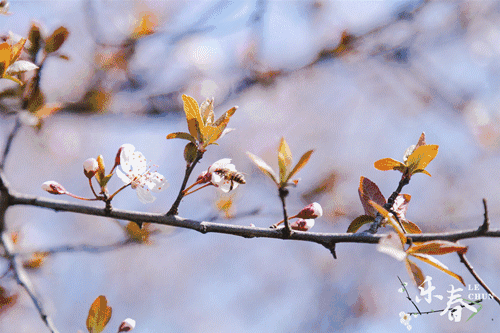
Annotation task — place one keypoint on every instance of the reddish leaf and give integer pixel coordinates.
(410, 227)
(54, 41)
(415, 272)
(437, 247)
(436, 263)
(367, 191)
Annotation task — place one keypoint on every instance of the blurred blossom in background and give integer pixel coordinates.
(355, 80)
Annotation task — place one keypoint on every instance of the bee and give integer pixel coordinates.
(232, 176)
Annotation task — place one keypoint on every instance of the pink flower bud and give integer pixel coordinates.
(311, 211)
(302, 225)
(127, 325)
(90, 167)
(53, 187)
(204, 177)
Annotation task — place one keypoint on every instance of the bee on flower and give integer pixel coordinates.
(221, 174)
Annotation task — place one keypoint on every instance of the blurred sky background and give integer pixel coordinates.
(355, 80)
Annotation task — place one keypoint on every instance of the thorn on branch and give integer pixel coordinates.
(486, 224)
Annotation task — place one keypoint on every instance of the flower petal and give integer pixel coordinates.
(145, 195)
(124, 178)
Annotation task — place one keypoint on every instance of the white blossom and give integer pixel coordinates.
(136, 172)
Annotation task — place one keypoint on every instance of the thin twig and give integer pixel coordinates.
(486, 224)
(408, 296)
(189, 169)
(23, 280)
(287, 232)
(8, 144)
(467, 264)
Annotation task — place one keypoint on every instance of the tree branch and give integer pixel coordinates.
(243, 231)
(467, 264)
(23, 280)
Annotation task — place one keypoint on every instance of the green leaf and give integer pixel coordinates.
(266, 169)
(182, 135)
(421, 157)
(358, 222)
(302, 162)
(99, 315)
(193, 117)
(386, 164)
(284, 160)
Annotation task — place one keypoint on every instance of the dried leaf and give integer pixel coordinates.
(386, 164)
(54, 41)
(284, 160)
(99, 315)
(137, 234)
(182, 135)
(266, 169)
(437, 247)
(439, 265)
(421, 157)
(390, 218)
(358, 222)
(367, 191)
(193, 117)
(415, 272)
(302, 162)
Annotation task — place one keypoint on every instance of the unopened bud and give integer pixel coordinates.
(53, 187)
(302, 225)
(90, 167)
(127, 325)
(100, 173)
(311, 211)
(190, 152)
(204, 177)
